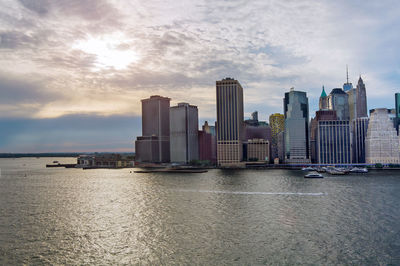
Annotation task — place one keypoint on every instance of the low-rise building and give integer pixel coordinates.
(258, 150)
(105, 161)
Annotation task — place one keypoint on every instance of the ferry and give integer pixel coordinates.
(308, 169)
(313, 175)
(359, 170)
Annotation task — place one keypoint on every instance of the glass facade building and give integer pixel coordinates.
(338, 101)
(297, 147)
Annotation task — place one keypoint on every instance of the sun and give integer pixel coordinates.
(111, 51)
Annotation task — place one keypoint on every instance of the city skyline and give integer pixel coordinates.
(72, 69)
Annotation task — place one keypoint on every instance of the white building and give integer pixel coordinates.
(382, 142)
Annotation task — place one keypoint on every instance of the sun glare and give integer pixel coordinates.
(111, 51)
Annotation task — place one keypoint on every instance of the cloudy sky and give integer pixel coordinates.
(73, 71)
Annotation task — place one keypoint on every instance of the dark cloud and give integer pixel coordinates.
(38, 6)
(15, 39)
(85, 9)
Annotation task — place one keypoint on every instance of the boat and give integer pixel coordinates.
(307, 169)
(359, 170)
(55, 161)
(313, 175)
(336, 171)
(171, 170)
(321, 169)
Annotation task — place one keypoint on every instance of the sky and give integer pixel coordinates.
(73, 71)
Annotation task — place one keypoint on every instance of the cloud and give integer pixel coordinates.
(183, 47)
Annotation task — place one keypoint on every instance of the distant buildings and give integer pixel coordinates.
(229, 122)
(153, 145)
(382, 142)
(184, 126)
(340, 132)
(277, 124)
(296, 127)
(105, 161)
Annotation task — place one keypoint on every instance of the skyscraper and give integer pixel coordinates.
(184, 128)
(153, 145)
(229, 122)
(347, 86)
(382, 142)
(361, 99)
(338, 101)
(296, 127)
(323, 100)
(277, 124)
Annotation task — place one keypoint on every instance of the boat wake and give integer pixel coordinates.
(252, 192)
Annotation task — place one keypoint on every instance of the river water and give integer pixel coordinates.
(75, 216)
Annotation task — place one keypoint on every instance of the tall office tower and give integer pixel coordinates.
(153, 145)
(361, 99)
(184, 120)
(352, 101)
(277, 124)
(229, 122)
(323, 100)
(397, 103)
(382, 142)
(338, 101)
(333, 142)
(347, 86)
(297, 148)
(359, 128)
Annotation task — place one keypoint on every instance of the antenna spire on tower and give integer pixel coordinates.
(347, 73)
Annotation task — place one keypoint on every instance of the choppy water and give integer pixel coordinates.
(72, 216)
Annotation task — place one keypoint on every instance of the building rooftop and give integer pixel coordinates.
(338, 91)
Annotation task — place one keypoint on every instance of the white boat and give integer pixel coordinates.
(307, 169)
(313, 175)
(336, 171)
(359, 170)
